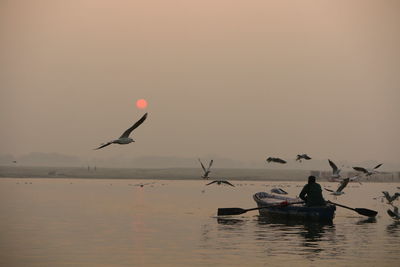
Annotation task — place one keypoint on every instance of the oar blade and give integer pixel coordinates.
(230, 211)
(366, 212)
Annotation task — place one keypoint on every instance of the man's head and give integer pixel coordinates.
(311, 179)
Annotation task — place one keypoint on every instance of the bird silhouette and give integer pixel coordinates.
(302, 156)
(219, 182)
(277, 160)
(368, 172)
(206, 171)
(339, 191)
(124, 138)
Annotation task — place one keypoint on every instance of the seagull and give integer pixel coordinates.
(277, 160)
(339, 191)
(206, 171)
(302, 156)
(395, 213)
(335, 169)
(142, 185)
(390, 198)
(124, 138)
(219, 182)
(367, 172)
(278, 191)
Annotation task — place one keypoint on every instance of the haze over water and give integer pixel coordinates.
(83, 222)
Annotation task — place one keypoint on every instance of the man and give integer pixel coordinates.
(312, 193)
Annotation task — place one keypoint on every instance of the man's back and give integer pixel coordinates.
(314, 194)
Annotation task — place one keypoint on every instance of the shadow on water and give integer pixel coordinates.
(230, 221)
(393, 229)
(308, 238)
(366, 221)
(309, 230)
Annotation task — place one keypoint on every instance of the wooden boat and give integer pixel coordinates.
(298, 211)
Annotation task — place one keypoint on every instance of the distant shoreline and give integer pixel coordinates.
(177, 174)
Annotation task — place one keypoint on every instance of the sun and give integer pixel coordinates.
(141, 104)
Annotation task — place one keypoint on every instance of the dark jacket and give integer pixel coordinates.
(312, 195)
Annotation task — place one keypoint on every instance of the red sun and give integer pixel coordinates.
(141, 104)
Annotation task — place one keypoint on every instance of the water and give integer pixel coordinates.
(84, 222)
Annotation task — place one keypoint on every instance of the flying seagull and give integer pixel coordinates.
(339, 191)
(219, 182)
(335, 169)
(368, 172)
(277, 160)
(141, 185)
(124, 138)
(390, 198)
(395, 213)
(278, 191)
(302, 156)
(206, 171)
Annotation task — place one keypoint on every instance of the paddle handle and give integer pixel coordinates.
(336, 204)
(282, 204)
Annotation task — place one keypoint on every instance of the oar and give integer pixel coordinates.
(237, 211)
(365, 212)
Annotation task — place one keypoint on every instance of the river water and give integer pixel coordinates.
(108, 222)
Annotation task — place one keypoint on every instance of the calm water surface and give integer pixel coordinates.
(81, 222)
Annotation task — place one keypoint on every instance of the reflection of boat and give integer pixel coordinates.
(229, 221)
(292, 211)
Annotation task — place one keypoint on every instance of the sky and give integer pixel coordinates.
(237, 79)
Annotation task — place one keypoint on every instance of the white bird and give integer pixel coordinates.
(368, 172)
(219, 182)
(302, 156)
(339, 191)
(124, 138)
(278, 191)
(390, 198)
(335, 169)
(206, 171)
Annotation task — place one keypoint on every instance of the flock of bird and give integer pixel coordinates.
(343, 182)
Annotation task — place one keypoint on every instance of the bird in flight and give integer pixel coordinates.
(124, 138)
(302, 156)
(219, 182)
(142, 185)
(206, 171)
(277, 160)
(339, 191)
(335, 169)
(394, 214)
(390, 198)
(278, 191)
(368, 172)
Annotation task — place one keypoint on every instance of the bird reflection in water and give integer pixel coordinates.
(393, 229)
(367, 220)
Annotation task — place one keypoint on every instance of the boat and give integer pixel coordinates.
(282, 207)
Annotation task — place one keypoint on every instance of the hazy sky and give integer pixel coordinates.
(238, 79)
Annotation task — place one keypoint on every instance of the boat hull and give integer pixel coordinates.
(294, 211)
